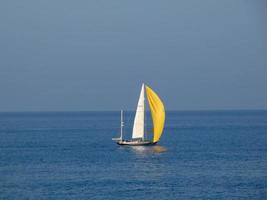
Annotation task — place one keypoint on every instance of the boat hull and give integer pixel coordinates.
(135, 142)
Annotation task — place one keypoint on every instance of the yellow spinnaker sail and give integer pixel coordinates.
(157, 113)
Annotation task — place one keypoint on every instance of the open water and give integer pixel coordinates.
(70, 155)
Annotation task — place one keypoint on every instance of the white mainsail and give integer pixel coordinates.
(139, 120)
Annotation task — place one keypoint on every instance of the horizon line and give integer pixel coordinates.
(171, 110)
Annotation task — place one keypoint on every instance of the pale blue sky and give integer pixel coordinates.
(62, 55)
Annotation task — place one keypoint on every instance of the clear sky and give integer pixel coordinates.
(65, 55)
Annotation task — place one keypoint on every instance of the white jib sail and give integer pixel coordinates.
(138, 127)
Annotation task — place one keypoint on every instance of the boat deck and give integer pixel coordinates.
(135, 142)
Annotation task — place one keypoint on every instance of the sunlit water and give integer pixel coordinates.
(202, 155)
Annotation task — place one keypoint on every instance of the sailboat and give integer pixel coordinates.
(158, 117)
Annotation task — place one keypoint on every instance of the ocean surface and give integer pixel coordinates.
(70, 155)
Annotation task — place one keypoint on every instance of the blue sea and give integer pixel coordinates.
(70, 155)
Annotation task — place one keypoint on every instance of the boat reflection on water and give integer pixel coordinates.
(159, 149)
(148, 149)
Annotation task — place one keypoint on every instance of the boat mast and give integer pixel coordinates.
(121, 124)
